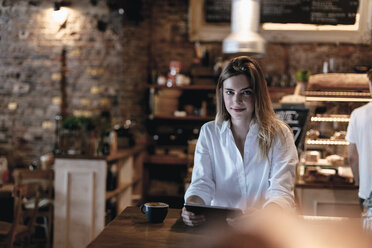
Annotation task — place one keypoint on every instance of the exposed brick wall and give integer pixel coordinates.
(285, 58)
(97, 69)
(169, 36)
(109, 69)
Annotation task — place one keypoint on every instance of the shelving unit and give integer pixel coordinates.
(166, 166)
(78, 220)
(129, 189)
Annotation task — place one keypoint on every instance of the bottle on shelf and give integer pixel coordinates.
(103, 147)
(111, 182)
(106, 144)
(174, 70)
(33, 165)
(111, 209)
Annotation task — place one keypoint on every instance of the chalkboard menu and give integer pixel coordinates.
(217, 10)
(296, 119)
(319, 12)
(309, 11)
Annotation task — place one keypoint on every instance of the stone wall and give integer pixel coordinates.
(109, 60)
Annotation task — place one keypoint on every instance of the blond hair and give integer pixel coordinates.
(268, 124)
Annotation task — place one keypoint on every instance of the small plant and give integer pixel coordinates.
(302, 75)
(78, 123)
(87, 123)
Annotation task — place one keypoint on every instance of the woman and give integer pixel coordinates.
(246, 158)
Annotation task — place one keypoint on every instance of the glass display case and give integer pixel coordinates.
(325, 156)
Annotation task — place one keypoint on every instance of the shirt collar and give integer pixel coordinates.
(224, 126)
(227, 125)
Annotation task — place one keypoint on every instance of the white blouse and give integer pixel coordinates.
(221, 177)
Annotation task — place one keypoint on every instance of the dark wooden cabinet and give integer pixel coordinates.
(171, 128)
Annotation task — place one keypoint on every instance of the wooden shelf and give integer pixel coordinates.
(109, 158)
(326, 185)
(165, 196)
(118, 190)
(189, 117)
(137, 179)
(336, 99)
(288, 90)
(125, 153)
(137, 197)
(185, 87)
(327, 142)
(123, 187)
(328, 165)
(165, 159)
(339, 118)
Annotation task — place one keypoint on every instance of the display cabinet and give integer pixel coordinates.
(325, 157)
(325, 183)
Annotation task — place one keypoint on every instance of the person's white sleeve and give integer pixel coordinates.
(350, 129)
(202, 182)
(282, 175)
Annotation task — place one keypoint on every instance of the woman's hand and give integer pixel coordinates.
(191, 219)
(246, 221)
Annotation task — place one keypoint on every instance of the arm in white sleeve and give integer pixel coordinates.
(283, 169)
(202, 182)
(353, 155)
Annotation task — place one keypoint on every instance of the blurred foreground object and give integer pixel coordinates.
(282, 229)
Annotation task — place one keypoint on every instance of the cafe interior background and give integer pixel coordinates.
(81, 82)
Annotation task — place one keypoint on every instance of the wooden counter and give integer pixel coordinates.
(131, 229)
(327, 199)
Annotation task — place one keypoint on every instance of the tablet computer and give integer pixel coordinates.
(213, 211)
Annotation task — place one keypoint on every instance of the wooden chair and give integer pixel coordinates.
(44, 178)
(17, 231)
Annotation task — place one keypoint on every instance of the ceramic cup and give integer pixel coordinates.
(155, 211)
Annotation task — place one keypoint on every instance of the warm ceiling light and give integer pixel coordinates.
(12, 106)
(59, 13)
